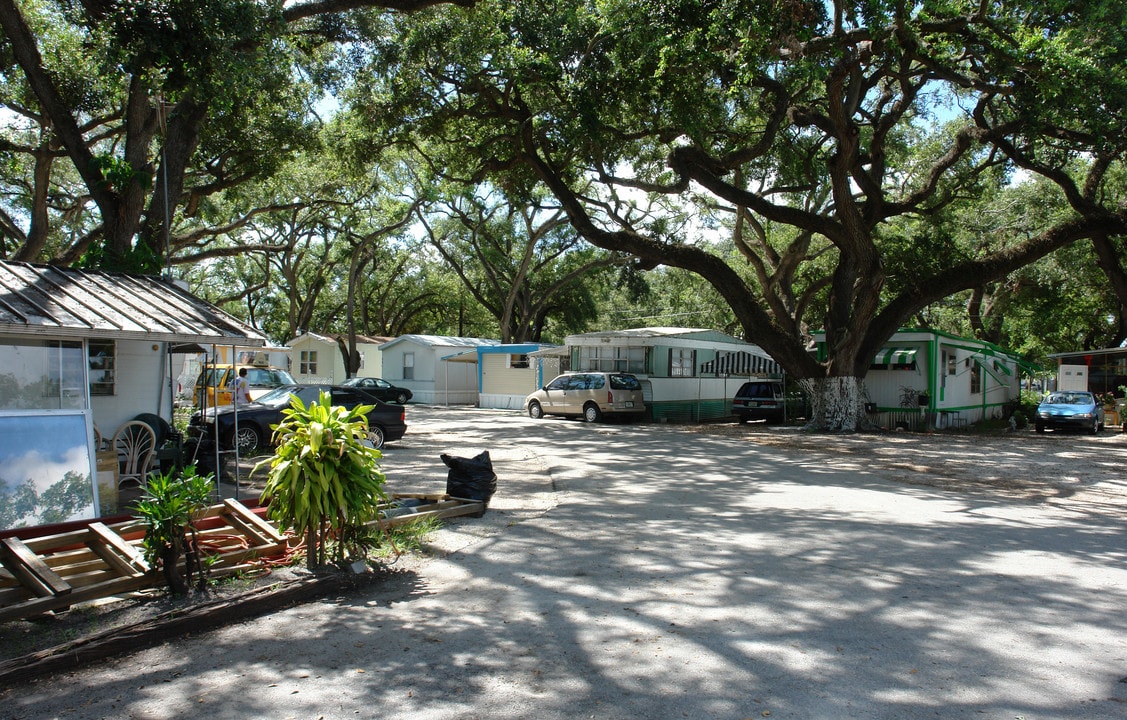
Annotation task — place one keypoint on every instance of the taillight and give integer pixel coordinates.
(610, 398)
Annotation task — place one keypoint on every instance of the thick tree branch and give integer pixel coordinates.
(300, 11)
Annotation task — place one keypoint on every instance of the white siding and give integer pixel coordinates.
(434, 382)
(141, 386)
(1072, 377)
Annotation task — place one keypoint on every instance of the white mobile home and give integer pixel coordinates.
(688, 374)
(84, 350)
(416, 363)
(930, 378)
(318, 358)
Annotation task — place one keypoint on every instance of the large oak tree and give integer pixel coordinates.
(825, 136)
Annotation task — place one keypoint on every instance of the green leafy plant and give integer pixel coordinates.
(324, 476)
(408, 537)
(170, 504)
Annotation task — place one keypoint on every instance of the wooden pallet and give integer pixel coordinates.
(54, 572)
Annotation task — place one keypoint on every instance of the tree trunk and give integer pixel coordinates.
(837, 404)
(311, 536)
(170, 565)
(181, 140)
(1109, 258)
(40, 220)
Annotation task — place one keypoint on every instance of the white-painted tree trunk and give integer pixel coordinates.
(837, 404)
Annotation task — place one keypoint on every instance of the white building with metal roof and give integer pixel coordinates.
(416, 362)
(82, 350)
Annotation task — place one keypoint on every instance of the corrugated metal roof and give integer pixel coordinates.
(440, 341)
(74, 303)
(657, 334)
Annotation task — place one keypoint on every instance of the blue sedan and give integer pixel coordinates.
(1070, 409)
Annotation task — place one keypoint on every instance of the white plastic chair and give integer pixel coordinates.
(136, 444)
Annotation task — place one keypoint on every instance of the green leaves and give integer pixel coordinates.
(324, 473)
(168, 506)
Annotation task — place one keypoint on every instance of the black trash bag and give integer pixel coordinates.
(470, 478)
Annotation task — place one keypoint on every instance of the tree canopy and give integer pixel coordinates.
(187, 95)
(843, 167)
(824, 140)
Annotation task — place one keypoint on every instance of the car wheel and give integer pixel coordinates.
(1095, 429)
(247, 439)
(592, 413)
(401, 398)
(376, 436)
(535, 411)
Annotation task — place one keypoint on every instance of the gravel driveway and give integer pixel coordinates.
(652, 571)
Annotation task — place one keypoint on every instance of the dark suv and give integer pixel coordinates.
(760, 400)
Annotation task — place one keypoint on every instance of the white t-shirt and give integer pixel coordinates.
(241, 389)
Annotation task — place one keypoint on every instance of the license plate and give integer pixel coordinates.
(629, 403)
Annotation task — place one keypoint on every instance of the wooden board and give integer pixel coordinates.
(56, 571)
(32, 572)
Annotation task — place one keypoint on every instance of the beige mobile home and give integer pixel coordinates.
(318, 358)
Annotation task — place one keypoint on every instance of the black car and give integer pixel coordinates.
(380, 388)
(760, 400)
(385, 422)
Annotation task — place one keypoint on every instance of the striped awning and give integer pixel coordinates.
(741, 363)
(895, 356)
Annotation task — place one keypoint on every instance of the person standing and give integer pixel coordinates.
(240, 389)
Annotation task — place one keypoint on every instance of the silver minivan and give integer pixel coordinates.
(589, 395)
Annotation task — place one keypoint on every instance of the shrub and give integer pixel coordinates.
(324, 476)
(169, 506)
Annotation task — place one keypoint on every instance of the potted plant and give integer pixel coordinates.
(324, 476)
(169, 506)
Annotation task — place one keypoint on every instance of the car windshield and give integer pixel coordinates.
(366, 382)
(262, 377)
(281, 397)
(1074, 398)
(757, 390)
(209, 376)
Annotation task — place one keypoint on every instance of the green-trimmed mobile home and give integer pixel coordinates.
(927, 378)
(688, 374)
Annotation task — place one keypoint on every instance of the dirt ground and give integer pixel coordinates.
(1021, 465)
(1080, 471)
